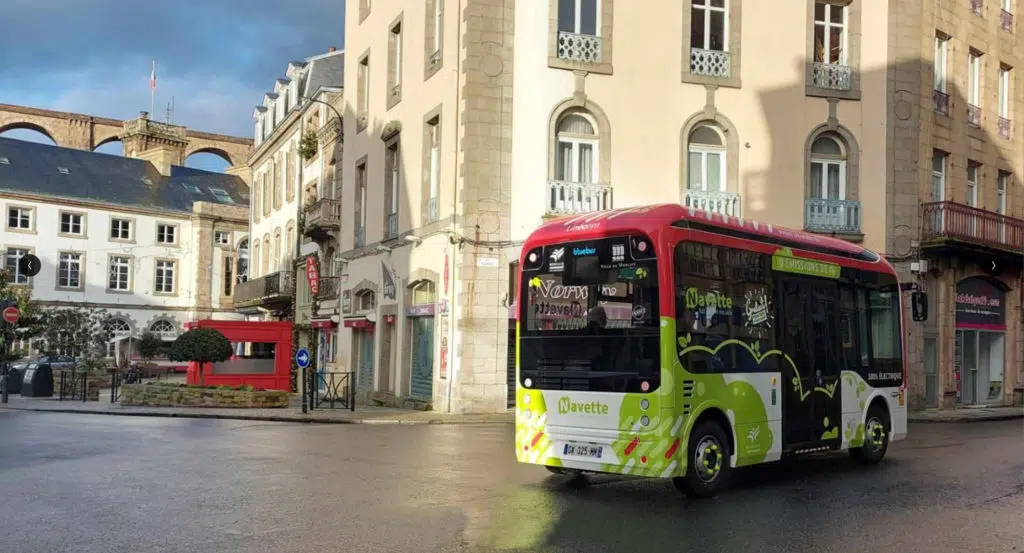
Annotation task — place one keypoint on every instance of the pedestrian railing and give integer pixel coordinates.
(332, 390)
(73, 386)
(131, 375)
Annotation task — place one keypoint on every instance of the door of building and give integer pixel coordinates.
(981, 366)
(364, 339)
(422, 381)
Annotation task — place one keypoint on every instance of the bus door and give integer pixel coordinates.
(812, 403)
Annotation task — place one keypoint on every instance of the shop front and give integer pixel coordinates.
(980, 347)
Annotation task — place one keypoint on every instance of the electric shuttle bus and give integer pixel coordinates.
(669, 342)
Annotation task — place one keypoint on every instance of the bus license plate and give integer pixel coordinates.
(583, 450)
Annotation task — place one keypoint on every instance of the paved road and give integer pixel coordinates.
(93, 483)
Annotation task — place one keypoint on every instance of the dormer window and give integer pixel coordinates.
(146, 180)
(192, 188)
(63, 170)
(221, 195)
(4, 161)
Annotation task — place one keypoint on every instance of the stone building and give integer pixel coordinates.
(470, 123)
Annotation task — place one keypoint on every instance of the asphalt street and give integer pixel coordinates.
(92, 483)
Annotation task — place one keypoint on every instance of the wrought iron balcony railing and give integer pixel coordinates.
(951, 221)
(838, 216)
(270, 288)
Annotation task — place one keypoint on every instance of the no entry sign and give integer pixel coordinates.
(11, 314)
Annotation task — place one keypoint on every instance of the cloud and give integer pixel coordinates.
(215, 58)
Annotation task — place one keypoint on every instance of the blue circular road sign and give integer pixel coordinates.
(302, 357)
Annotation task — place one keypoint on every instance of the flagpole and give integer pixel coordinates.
(152, 87)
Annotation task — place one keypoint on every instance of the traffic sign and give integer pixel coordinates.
(301, 357)
(11, 314)
(29, 265)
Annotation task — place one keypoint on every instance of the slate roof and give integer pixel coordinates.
(33, 168)
(323, 71)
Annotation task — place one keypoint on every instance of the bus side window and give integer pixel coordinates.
(849, 338)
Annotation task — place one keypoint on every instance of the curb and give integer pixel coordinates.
(244, 417)
(969, 419)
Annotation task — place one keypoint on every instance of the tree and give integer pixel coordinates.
(201, 345)
(150, 345)
(74, 331)
(30, 323)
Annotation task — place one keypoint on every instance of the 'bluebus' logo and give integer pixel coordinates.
(584, 251)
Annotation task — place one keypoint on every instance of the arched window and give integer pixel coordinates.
(276, 253)
(706, 161)
(164, 329)
(576, 154)
(289, 240)
(366, 300)
(242, 262)
(256, 260)
(116, 328)
(257, 197)
(265, 262)
(828, 168)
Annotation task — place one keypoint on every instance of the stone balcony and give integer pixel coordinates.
(723, 203)
(832, 216)
(322, 218)
(577, 197)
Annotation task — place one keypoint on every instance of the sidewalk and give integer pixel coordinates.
(967, 414)
(363, 414)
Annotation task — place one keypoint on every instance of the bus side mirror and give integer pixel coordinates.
(919, 305)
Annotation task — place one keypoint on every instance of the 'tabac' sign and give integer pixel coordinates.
(313, 276)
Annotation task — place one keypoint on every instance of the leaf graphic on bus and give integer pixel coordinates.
(684, 342)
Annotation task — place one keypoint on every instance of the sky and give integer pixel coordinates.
(216, 58)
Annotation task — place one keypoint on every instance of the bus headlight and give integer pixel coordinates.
(527, 413)
(526, 400)
(644, 404)
(644, 420)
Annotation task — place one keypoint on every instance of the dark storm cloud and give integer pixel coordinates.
(216, 57)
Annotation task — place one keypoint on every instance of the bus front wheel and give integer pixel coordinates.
(876, 437)
(707, 467)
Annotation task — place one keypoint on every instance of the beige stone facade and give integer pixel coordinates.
(470, 123)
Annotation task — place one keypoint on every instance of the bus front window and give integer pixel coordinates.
(589, 318)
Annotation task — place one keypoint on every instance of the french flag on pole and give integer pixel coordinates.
(152, 76)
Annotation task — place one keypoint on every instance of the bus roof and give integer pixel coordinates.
(651, 218)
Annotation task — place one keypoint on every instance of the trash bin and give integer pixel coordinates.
(13, 380)
(38, 381)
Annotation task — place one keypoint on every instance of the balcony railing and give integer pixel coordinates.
(831, 76)
(263, 290)
(977, 6)
(577, 197)
(329, 287)
(710, 63)
(391, 226)
(942, 221)
(579, 48)
(433, 210)
(323, 217)
(940, 102)
(724, 203)
(1004, 127)
(973, 115)
(832, 216)
(1006, 20)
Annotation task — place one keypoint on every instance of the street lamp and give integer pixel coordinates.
(335, 110)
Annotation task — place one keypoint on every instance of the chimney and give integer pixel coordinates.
(331, 49)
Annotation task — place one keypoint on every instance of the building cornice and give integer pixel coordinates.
(87, 204)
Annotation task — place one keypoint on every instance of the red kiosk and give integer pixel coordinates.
(262, 359)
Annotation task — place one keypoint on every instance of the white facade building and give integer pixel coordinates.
(114, 233)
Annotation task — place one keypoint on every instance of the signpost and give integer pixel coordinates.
(11, 314)
(302, 359)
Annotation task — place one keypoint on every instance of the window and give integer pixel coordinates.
(830, 33)
(166, 234)
(13, 255)
(581, 17)
(395, 63)
(423, 293)
(242, 264)
(120, 229)
(254, 264)
(69, 270)
(577, 154)
(709, 25)
(229, 277)
(116, 328)
(972, 183)
(366, 301)
(941, 63)
(289, 240)
(364, 92)
(393, 189)
(974, 79)
(1005, 88)
(191, 188)
(276, 176)
(164, 329)
(19, 218)
(165, 277)
(222, 195)
(828, 169)
(222, 237)
(438, 29)
(434, 166)
(886, 347)
(1001, 186)
(706, 160)
(63, 171)
(938, 176)
(360, 207)
(71, 223)
(120, 273)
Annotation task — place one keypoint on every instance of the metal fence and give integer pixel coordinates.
(332, 390)
(73, 386)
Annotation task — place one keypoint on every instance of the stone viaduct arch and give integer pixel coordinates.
(87, 132)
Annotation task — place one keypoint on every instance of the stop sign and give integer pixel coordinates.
(11, 314)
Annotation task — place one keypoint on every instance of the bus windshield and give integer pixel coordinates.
(589, 316)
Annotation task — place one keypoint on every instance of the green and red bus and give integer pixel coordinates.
(669, 342)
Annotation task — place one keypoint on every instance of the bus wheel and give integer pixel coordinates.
(707, 470)
(876, 437)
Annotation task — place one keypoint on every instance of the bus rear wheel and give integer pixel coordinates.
(876, 437)
(707, 468)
